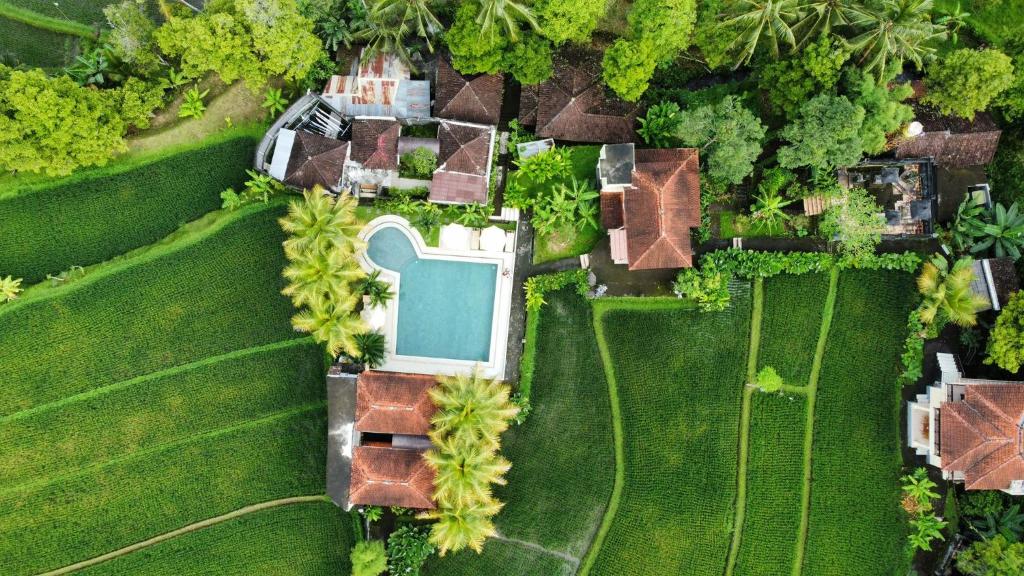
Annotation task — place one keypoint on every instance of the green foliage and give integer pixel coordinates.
(919, 487)
(378, 291)
(1004, 232)
(968, 225)
(884, 110)
(548, 166)
(273, 102)
(764, 23)
(768, 380)
(708, 287)
(660, 126)
(406, 15)
(628, 66)
(1008, 523)
(981, 503)
(537, 286)
(729, 136)
(504, 16)
(250, 40)
(712, 39)
(10, 287)
(995, 557)
(130, 39)
(1011, 101)
(193, 106)
(529, 59)
(573, 205)
(420, 164)
(825, 135)
(947, 294)
(967, 81)
(767, 210)
(51, 124)
(663, 25)
(117, 208)
(926, 528)
(753, 264)
(372, 348)
(564, 21)
(791, 82)
(138, 100)
(856, 223)
(472, 51)
(368, 558)
(893, 32)
(408, 549)
(1006, 341)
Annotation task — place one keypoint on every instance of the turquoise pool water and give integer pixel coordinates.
(445, 307)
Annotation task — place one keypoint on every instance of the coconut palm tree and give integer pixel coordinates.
(506, 14)
(899, 31)
(313, 274)
(320, 222)
(378, 290)
(413, 15)
(819, 17)
(762, 22)
(472, 409)
(464, 527)
(10, 287)
(947, 291)
(1004, 231)
(465, 472)
(331, 322)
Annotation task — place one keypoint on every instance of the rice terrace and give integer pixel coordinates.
(511, 287)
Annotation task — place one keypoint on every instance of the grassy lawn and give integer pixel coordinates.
(679, 376)
(208, 293)
(792, 316)
(856, 523)
(102, 212)
(87, 12)
(299, 539)
(729, 229)
(774, 485)
(36, 47)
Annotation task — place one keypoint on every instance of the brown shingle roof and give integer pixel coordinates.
(394, 403)
(469, 98)
(661, 207)
(315, 160)
(375, 143)
(574, 105)
(611, 210)
(391, 477)
(981, 435)
(953, 142)
(463, 148)
(458, 188)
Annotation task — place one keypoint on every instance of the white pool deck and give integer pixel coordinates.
(505, 264)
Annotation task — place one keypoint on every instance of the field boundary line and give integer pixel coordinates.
(44, 22)
(599, 308)
(812, 395)
(188, 235)
(121, 384)
(538, 548)
(164, 446)
(291, 500)
(756, 314)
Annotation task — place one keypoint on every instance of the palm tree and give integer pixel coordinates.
(505, 13)
(465, 527)
(472, 409)
(319, 222)
(313, 274)
(948, 291)
(762, 21)
(465, 472)
(372, 348)
(414, 15)
(378, 290)
(331, 322)
(10, 287)
(819, 17)
(1005, 231)
(901, 30)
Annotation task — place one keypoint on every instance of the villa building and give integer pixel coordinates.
(972, 429)
(650, 201)
(474, 98)
(952, 142)
(574, 104)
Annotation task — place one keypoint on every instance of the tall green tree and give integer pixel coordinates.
(762, 23)
(455, 529)
(315, 274)
(856, 222)
(131, 36)
(465, 471)
(884, 109)
(564, 21)
(471, 409)
(320, 223)
(505, 15)
(947, 292)
(413, 15)
(728, 135)
(792, 81)
(818, 18)
(1006, 342)
(995, 557)
(368, 558)
(332, 322)
(627, 68)
(894, 32)
(825, 135)
(968, 81)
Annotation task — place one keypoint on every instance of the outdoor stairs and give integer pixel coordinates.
(507, 214)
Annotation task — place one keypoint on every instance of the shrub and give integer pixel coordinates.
(408, 548)
(659, 127)
(708, 287)
(372, 348)
(10, 287)
(751, 264)
(981, 503)
(537, 286)
(369, 558)
(769, 380)
(967, 81)
(995, 557)
(419, 164)
(554, 164)
(1006, 343)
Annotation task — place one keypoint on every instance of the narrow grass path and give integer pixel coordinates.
(757, 311)
(812, 393)
(37, 20)
(186, 529)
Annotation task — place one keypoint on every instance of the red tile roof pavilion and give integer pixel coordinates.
(982, 436)
(394, 403)
(391, 477)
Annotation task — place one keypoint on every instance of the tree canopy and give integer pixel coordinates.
(825, 135)
(856, 223)
(968, 81)
(728, 135)
(884, 110)
(1006, 343)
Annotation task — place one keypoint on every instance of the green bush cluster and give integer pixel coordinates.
(753, 264)
(708, 287)
(537, 286)
(419, 164)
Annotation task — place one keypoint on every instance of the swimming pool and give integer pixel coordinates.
(445, 306)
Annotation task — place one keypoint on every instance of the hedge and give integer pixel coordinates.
(208, 292)
(97, 214)
(753, 264)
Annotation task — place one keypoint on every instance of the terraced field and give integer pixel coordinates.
(36, 47)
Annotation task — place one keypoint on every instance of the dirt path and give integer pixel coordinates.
(186, 529)
(537, 547)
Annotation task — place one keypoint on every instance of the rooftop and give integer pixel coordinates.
(314, 160)
(953, 142)
(391, 477)
(394, 403)
(473, 98)
(464, 163)
(981, 436)
(375, 143)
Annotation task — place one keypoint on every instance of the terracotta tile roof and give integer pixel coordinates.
(464, 148)
(953, 142)
(661, 207)
(375, 143)
(981, 436)
(394, 403)
(315, 160)
(391, 477)
(574, 105)
(611, 210)
(469, 98)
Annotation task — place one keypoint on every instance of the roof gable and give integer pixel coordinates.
(464, 148)
(394, 403)
(391, 477)
(470, 98)
(375, 143)
(315, 160)
(661, 207)
(981, 436)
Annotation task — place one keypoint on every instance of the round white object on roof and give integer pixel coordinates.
(915, 128)
(455, 236)
(492, 239)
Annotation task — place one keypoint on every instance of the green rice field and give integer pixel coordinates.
(789, 330)
(36, 47)
(89, 12)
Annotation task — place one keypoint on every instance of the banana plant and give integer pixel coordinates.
(1004, 232)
